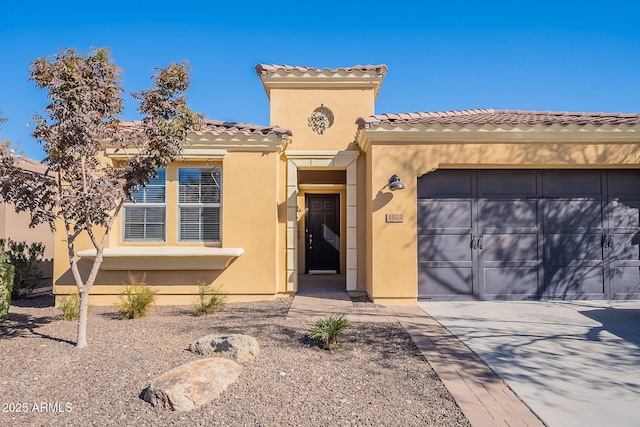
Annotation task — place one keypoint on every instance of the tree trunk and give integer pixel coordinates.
(81, 342)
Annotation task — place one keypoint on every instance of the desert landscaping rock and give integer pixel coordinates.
(377, 378)
(238, 347)
(192, 384)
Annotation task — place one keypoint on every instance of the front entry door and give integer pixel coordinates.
(322, 233)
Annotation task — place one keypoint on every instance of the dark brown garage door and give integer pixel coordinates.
(528, 234)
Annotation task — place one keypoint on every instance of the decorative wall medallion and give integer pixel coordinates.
(321, 119)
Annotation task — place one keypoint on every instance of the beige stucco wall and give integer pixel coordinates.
(250, 206)
(15, 225)
(291, 108)
(392, 247)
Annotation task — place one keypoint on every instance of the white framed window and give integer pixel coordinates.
(145, 220)
(199, 204)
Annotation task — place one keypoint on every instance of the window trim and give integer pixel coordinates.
(180, 205)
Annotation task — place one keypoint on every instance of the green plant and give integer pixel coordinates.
(209, 299)
(26, 259)
(327, 331)
(6, 283)
(70, 306)
(135, 298)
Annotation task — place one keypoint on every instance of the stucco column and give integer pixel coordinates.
(292, 226)
(352, 227)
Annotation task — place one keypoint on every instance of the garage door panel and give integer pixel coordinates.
(511, 283)
(625, 213)
(626, 247)
(623, 183)
(507, 213)
(563, 248)
(573, 214)
(445, 283)
(444, 214)
(510, 247)
(445, 183)
(444, 247)
(572, 183)
(575, 282)
(507, 183)
(625, 282)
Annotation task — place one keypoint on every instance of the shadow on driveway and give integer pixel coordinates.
(573, 363)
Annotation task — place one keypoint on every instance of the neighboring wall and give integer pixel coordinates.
(15, 226)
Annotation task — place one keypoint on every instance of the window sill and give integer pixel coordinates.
(165, 258)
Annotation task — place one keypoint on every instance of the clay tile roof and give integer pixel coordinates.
(272, 68)
(217, 127)
(483, 116)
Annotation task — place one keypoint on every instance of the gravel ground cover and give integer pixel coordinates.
(377, 378)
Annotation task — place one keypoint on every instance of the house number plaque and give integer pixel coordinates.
(395, 217)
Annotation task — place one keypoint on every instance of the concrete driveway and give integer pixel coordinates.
(573, 363)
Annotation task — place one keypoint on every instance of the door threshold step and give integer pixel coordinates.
(323, 272)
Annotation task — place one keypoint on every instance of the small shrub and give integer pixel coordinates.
(26, 259)
(6, 284)
(70, 306)
(209, 299)
(135, 299)
(327, 331)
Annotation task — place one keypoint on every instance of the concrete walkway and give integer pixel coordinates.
(483, 397)
(574, 363)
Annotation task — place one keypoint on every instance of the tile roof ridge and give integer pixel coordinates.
(482, 116)
(241, 126)
(272, 68)
(424, 114)
(226, 126)
(568, 113)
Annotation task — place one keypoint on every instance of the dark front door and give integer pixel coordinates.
(322, 233)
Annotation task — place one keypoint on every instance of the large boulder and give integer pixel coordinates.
(237, 347)
(192, 385)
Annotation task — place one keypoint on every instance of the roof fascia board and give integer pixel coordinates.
(491, 134)
(291, 81)
(233, 142)
(187, 153)
(215, 144)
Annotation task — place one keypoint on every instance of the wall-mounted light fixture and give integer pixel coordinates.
(394, 183)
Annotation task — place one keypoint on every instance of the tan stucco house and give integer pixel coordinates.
(473, 204)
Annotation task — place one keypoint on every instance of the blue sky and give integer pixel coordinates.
(542, 55)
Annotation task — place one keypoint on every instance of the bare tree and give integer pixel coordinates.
(81, 190)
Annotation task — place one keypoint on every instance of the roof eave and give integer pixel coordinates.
(286, 77)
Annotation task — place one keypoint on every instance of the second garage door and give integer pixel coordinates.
(529, 234)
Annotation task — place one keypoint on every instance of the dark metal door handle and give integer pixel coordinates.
(610, 242)
(474, 243)
(480, 241)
